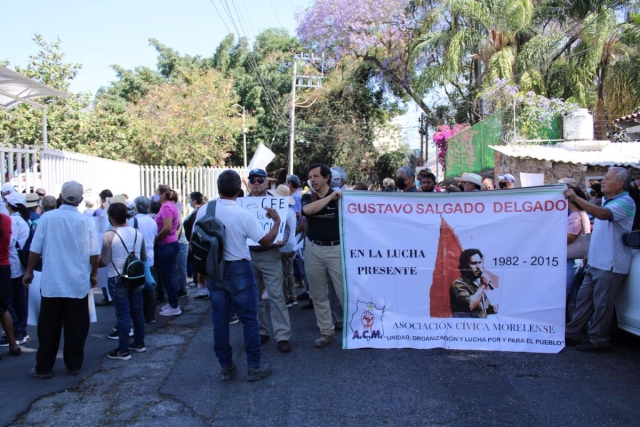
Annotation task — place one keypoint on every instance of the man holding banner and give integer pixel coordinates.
(322, 250)
(267, 267)
(609, 262)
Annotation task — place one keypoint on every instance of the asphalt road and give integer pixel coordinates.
(176, 383)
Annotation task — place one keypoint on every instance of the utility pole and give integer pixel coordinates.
(292, 137)
(301, 81)
(244, 136)
(424, 138)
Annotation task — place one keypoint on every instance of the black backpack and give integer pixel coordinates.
(207, 244)
(133, 269)
(23, 253)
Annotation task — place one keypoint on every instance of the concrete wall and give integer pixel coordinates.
(553, 172)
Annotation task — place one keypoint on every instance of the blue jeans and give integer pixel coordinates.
(18, 306)
(572, 271)
(181, 267)
(240, 288)
(128, 303)
(166, 256)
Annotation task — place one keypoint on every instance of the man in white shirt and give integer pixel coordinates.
(238, 285)
(68, 244)
(267, 269)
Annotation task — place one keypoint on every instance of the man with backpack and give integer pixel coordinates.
(222, 224)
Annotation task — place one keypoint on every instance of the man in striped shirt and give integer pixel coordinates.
(609, 261)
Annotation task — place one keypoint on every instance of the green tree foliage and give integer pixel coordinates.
(21, 125)
(189, 124)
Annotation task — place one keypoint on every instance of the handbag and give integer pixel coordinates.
(632, 239)
(150, 281)
(580, 247)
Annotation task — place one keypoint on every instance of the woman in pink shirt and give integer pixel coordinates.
(167, 247)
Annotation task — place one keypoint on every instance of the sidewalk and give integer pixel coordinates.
(176, 382)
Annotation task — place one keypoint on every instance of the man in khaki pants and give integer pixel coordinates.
(267, 269)
(322, 249)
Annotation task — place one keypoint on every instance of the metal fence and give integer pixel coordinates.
(469, 150)
(29, 168)
(184, 180)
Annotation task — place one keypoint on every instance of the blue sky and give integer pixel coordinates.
(99, 33)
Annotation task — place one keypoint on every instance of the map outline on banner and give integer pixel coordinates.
(528, 332)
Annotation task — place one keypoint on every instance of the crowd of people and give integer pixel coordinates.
(66, 247)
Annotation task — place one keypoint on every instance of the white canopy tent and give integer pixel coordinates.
(16, 89)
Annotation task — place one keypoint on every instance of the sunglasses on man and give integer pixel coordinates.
(256, 180)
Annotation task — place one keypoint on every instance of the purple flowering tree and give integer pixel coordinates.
(381, 32)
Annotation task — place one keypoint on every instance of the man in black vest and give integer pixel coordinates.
(322, 250)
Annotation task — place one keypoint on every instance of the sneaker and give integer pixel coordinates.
(203, 297)
(116, 336)
(165, 307)
(590, 348)
(75, 371)
(284, 346)
(35, 374)
(228, 372)
(171, 312)
(192, 285)
(138, 348)
(104, 303)
(324, 341)
(294, 302)
(183, 293)
(234, 319)
(16, 351)
(119, 355)
(255, 374)
(289, 303)
(265, 294)
(4, 341)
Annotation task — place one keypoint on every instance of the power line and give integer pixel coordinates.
(275, 13)
(220, 15)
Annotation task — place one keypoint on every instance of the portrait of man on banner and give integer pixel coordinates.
(468, 293)
(459, 281)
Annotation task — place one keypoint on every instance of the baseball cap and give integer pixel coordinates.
(32, 200)
(569, 181)
(72, 192)
(257, 172)
(15, 199)
(8, 188)
(507, 177)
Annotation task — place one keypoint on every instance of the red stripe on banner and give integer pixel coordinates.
(446, 271)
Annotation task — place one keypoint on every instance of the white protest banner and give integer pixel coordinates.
(261, 158)
(256, 206)
(465, 271)
(35, 300)
(531, 179)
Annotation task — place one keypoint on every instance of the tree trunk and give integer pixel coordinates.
(600, 129)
